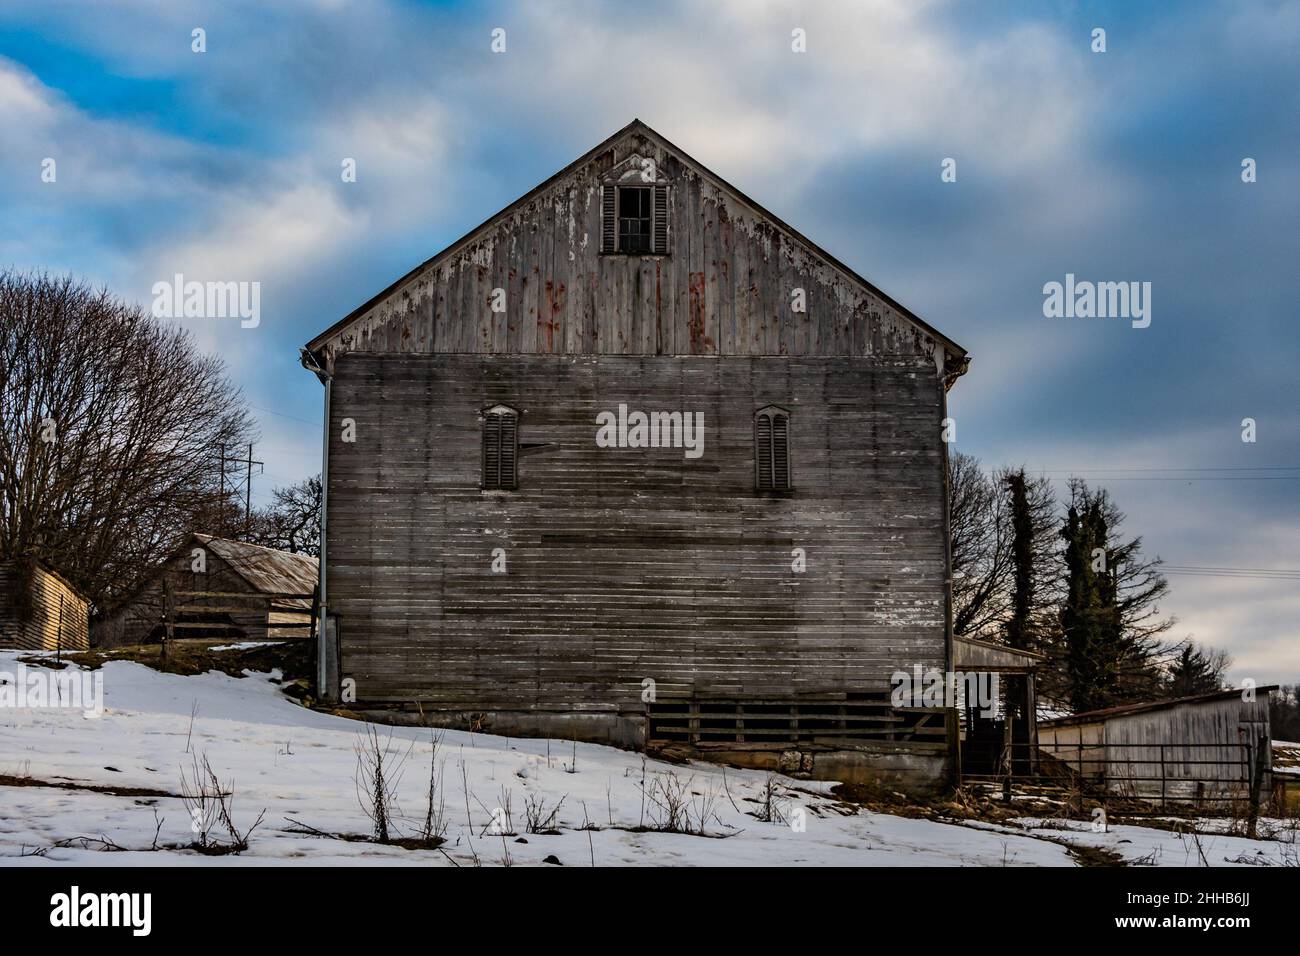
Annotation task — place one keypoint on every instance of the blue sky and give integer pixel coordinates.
(1123, 165)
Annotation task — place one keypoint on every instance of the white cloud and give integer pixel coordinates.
(876, 77)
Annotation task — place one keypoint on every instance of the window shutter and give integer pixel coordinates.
(491, 450)
(763, 451)
(772, 451)
(608, 218)
(509, 451)
(659, 243)
(500, 450)
(780, 453)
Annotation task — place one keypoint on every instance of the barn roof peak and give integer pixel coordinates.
(955, 358)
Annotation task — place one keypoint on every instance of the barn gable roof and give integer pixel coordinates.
(267, 570)
(956, 358)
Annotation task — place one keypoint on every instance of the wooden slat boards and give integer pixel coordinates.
(40, 611)
(217, 599)
(627, 564)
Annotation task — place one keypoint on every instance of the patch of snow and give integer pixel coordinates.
(245, 645)
(1154, 846)
(300, 765)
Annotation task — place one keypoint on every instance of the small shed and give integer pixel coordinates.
(217, 587)
(1008, 733)
(40, 609)
(1203, 748)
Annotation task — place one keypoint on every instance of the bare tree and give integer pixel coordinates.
(981, 558)
(292, 521)
(983, 538)
(537, 817)
(111, 426)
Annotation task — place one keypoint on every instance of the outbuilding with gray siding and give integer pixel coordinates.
(1202, 748)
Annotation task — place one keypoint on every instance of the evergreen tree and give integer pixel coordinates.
(1085, 671)
(1110, 621)
(1022, 561)
(1195, 671)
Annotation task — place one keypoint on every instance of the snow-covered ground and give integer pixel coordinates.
(300, 766)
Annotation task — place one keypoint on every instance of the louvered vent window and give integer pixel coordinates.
(500, 448)
(634, 220)
(772, 449)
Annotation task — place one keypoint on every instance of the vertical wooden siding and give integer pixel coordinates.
(35, 620)
(725, 288)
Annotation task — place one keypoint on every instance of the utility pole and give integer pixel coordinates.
(248, 489)
(248, 464)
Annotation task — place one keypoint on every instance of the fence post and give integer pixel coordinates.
(1105, 771)
(1162, 776)
(1079, 777)
(168, 621)
(1007, 757)
(1256, 785)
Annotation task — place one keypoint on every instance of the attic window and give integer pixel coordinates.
(772, 449)
(634, 220)
(500, 449)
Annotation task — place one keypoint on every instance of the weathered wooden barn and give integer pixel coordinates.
(216, 587)
(1203, 749)
(634, 461)
(40, 610)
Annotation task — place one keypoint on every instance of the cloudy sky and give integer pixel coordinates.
(1120, 166)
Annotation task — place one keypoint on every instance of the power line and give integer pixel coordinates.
(1253, 574)
(1206, 567)
(1105, 477)
(1174, 467)
(1109, 477)
(271, 411)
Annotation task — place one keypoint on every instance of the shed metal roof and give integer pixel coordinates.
(266, 569)
(1124, 710)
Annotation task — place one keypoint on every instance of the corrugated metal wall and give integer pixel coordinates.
(1197, 749)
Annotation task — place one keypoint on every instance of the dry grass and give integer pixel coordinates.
(190, 657)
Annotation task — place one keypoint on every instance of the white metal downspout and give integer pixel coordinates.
(950, 660)
(322, 632)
